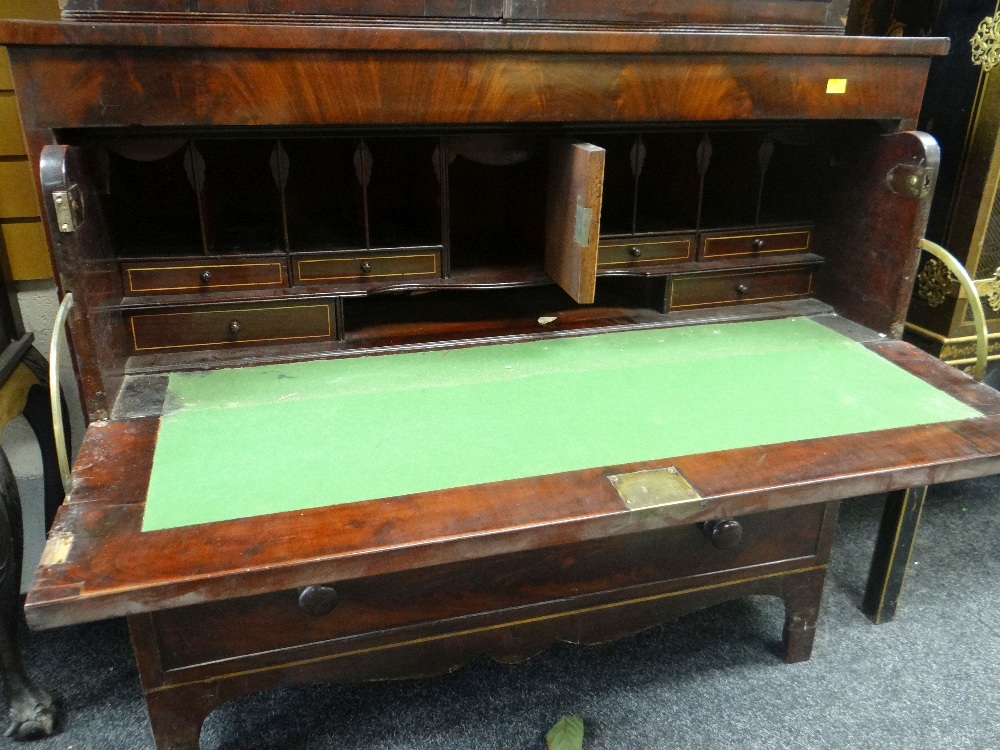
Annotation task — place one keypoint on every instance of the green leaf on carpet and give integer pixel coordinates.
(566, 735)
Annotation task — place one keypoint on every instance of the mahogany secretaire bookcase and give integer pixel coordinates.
(415, 332)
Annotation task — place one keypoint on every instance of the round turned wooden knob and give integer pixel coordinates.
(635, 252)
(742, 289)
(234, 327)
(206, 277)
(366, 267)
(726, 533)
(317, 601)
(758, 244)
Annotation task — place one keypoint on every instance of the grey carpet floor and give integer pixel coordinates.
(712, 680)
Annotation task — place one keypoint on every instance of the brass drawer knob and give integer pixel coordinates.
(366, 267)
(317, 601)
(206, 277)
(758, 244)
(742, 289)
(234, 327)
(725, 533)
(635, 251)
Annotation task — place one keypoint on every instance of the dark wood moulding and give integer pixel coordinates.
(367, 35)
(799, 16)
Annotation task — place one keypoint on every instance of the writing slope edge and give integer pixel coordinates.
(573, 217)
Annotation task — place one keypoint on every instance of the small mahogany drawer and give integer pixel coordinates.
(194, 278)
(762, 242)
(642, 251)
(566, 577)
(361, 267)
(734, 287)
(231, 326)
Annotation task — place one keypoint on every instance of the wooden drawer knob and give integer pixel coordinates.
(366, 267)
(317, 601)
(234, 327)
(726, 533)
(758, 244)
(206, 277)
(635, 251)
(742, 289)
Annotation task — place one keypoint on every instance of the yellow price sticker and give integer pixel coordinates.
(836, 86)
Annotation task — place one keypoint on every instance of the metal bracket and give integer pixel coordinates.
(69, 213)
(910, 180)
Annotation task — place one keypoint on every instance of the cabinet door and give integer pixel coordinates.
(573, 217)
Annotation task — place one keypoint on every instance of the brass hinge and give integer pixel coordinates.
(67, 210)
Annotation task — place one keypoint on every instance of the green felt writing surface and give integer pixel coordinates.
(251, 441)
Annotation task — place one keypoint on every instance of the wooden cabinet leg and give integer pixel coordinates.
(893, 547)
(802, 599)
(176, 715)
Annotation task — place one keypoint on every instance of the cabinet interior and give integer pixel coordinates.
(447, 232)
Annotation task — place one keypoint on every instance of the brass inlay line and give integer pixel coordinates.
(154, 269)
(482, 629)
(361, 258)
(135, 341)
(739, 299)
(708, 241)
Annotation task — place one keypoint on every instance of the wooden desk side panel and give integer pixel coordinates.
(94, 87)
(86, 267)
(869, 233)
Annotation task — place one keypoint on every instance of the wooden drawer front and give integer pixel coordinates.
(360, 268)
(731, 288)
(729, 245)
(204, 633)
(643, 251)
(231, 326)
(179, 278)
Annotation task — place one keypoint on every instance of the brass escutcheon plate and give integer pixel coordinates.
(657, 488)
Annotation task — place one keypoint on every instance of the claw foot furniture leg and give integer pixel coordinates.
(32, 711)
